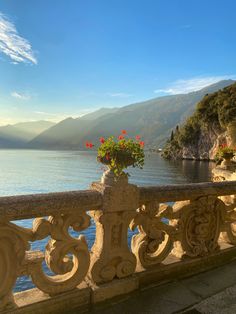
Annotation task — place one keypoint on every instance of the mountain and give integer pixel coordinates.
(99, 113)
(18, 135)
(153, 120)
(212, 124)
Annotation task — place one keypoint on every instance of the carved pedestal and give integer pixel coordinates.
(110, 254)
(198, 223)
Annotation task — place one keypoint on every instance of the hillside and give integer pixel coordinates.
(18, 135)
(99, 113)
(212, 124)
(153, 119)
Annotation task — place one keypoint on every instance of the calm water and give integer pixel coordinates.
(29, 171)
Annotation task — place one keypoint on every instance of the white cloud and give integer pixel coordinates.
(20, 96)
(45, 113)
(119, 95)
(13, 45)
(192, 85)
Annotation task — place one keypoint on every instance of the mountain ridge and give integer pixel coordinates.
(212, 124)
(153, 119)
(19, 134)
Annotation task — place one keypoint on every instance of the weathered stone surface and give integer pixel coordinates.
(113, 289)
(220, 174)
(181, 296)
(39, 205)
(192, 226)
(198, 225)
(110, 254)
(15, 259)
(220, 303)
(155, 239)
(173, 268)
(181, 192)
(34, 301)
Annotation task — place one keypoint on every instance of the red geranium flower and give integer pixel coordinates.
(123, 131)
(120, 137)
(138, 137)
(141, 143)
(89, 144)
(102, 140)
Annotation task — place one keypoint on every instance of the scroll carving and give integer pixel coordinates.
(199, 224)
(155, 239)
(70, 271)
(13, 244)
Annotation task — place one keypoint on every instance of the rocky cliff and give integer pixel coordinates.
(212, 124)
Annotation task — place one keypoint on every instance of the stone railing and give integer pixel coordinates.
(192, 234)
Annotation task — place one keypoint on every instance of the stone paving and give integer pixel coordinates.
(210, 292)
(221, 303)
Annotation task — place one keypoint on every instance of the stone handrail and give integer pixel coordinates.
(193, 227)
(178, 192)
(38, 205)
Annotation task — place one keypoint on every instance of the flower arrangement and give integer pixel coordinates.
(225, 152)
(120, 153)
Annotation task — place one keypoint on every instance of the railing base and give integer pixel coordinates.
(173, 269)
(87, 295)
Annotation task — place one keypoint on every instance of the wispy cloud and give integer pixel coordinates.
(119, 95)
(46, 113)
(191, 85)
(20, 96)
(13, 45)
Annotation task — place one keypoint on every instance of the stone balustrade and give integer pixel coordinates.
(181, 229)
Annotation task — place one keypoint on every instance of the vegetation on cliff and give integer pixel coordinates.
(214, 112)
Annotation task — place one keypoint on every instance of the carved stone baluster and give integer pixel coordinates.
(198, 223)
(155, 239)
(13, 245)
(69, 271)
(110, 254)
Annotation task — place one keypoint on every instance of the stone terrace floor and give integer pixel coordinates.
(209, 292)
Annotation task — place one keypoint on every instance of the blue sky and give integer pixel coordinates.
(63, 58)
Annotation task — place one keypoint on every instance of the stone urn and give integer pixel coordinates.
(122, 157)
(227, 162)
(109, 178)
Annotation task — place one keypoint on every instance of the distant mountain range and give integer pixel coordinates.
(20, 134)
(153, 120)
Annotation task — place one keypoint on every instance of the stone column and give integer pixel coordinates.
(110, 254)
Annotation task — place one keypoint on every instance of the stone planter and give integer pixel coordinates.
(227, 163)
(109, 178)
(122, 157)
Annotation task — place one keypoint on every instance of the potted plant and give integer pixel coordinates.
(225, 153)
(120, 153)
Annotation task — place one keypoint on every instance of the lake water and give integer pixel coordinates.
(31, 171)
